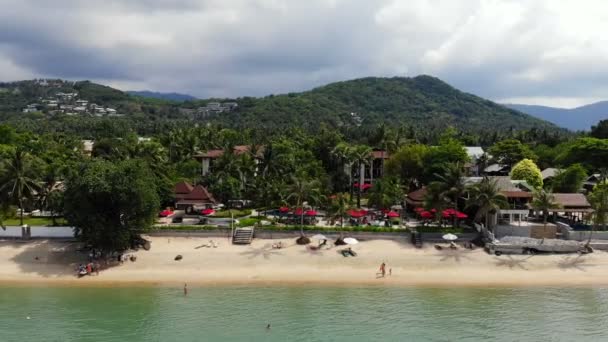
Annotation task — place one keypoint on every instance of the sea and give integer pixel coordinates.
(303, 314)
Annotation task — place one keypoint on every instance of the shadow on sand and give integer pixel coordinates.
(46, 258)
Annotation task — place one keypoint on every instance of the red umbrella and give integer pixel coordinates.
(419, 209)
(298, 211)
(446, 214)
(392, 214)
(460, 215)
(450, 211)
(310, 213)
(426, 214)
(356, 213)
(366, 186)
(433, 210)
(356, 185)
(284, 209)
(166, 213)
(208, 211)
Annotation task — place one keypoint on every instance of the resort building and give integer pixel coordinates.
(207, 158)
(497, 170)
(189, 198)
(475, 153)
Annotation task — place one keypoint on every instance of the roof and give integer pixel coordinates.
(184, 191)
(572, 200)
(239, 149)
(380, 154)
(509, 187)
(417, 195)
(183, 188)
(474, 152)
(549, 172)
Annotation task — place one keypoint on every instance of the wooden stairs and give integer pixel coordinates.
(242, 236)
(417, 239)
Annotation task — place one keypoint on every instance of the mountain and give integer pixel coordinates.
(424, 102)
(580, 118)
(162, 96)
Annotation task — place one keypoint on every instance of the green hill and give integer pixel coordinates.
(422, 102)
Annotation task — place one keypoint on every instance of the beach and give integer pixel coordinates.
(43, 262)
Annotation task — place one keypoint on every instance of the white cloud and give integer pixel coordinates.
(529, 50)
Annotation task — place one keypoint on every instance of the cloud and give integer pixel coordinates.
(529, 50)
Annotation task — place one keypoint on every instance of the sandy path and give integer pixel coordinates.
(294, 265)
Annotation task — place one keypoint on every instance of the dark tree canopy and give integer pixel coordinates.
(110, 204)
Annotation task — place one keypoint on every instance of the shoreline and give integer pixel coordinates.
(258, 265)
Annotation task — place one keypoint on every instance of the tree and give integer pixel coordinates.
(19, 179)
(408, 164)
(486, 197)
(528, 171)
(111, 204)
(451, 182)
(600, 130)
(361, 154)
(303, 190)
(385, 193)
(570, 180)
(511, 151)
(599, 202)
(590, 152)
(338, 207)
(543, 201)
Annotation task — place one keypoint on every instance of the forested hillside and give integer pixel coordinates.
(422, 104)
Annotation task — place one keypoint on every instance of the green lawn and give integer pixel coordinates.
(33, 221)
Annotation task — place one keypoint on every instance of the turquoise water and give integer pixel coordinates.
(302, 314)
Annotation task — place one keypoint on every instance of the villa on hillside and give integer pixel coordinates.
(207, 158)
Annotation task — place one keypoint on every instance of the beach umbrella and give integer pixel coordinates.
(319, 237)
(208, 211)
(426, 214)
(461, 215)
(298, 211)
(356, 185)
(419, 209)
(283, 209)
(356, 213)
(350, 241)
(311, 213)
(366, 186)
(166, 213)
(392, 214)
(450, 237)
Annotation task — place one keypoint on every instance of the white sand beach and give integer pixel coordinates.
(259, 264)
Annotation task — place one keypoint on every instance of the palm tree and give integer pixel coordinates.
(303, 190)
(599, 202)
(450, 185)
(486, 197)
(343, 152)
(543, 201)
(19, 179)
(361, 154)
(435, 199)
(338, 208)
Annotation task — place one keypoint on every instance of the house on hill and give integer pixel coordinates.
(207, 158)
(189, 197)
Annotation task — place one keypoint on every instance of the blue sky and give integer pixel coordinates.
(527, 51)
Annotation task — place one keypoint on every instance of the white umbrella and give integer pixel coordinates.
(319, 237)
(351, 241)
(450, 237)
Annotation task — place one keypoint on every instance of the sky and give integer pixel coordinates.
(514, 51)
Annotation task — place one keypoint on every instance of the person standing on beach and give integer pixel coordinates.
(185, 289)
(383, 269)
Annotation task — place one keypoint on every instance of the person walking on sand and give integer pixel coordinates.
(383, 269)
